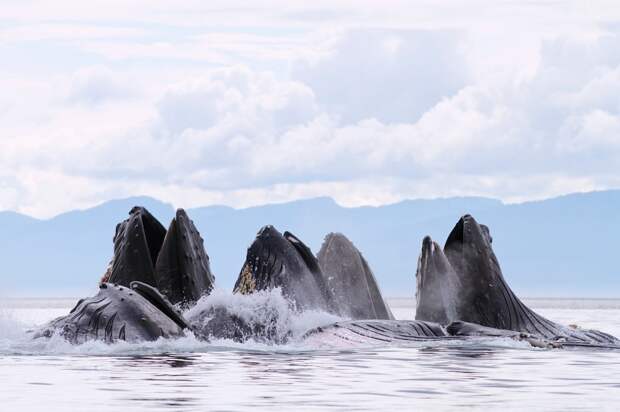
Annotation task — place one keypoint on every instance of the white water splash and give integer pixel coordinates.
(260, 307)
(10, 328)
(267, 307)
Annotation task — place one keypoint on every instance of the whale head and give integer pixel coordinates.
(350, 280)
(137, 242)
(463, 281)
(276, 260)
(437, 285)
(484, 296)
(182, 270)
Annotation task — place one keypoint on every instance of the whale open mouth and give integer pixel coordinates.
(137, 242)
(437, 285)
(273, 256)
(145, 226)
(182, 271)
(262, 266)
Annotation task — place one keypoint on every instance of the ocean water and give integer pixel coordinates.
(186, 374)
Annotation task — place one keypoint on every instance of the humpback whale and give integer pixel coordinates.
(137, 242)
(276, 260)
(350, 280)
(381, 332)
(118, 313)
(378, 331)
(182, 271)
(147, 260)
(173, 261)
(461, 292)
(338, 280)
(437, 285)
(464, 283)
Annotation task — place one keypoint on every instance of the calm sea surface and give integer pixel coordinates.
(191, 375)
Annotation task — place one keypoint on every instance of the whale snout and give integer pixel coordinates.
(267, 231)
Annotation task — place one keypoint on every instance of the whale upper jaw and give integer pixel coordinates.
(437, 285)
(350, 279)
(485, 297)
(182, 270)
(276, 260)
(264, 267)
(137, 242)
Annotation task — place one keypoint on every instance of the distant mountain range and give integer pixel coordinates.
(566, 246)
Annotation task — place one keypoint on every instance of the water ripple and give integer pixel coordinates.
(189, 375)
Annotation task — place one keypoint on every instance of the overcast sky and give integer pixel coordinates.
(366, 102)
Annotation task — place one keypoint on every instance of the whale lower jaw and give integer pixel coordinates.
(381, 332)
(118, 313)
(437, 285)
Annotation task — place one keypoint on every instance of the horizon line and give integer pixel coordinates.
(173, 206)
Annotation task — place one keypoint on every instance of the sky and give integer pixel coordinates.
(369, 102)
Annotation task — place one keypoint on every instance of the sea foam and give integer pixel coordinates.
(263, 307)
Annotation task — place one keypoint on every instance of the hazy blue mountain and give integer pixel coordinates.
(564, 246)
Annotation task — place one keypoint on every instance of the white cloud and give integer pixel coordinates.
(394, 76)
(421, 104)
(236, 98)
(94, 85)
(66, 32)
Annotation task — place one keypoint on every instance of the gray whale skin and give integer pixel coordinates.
(118, 313)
